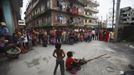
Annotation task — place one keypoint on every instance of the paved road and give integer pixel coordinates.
(40, 61)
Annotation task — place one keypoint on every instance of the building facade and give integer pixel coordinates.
(10, 13)
(54, 13)
(90, 13)
(127, 15)
(126, 26)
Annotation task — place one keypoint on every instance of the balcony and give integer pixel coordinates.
(91, 24)
(91, 17)
(74, 11)
(93, 3)
(125, 21)
(91, 9)
(58, 9)
(132, 21)
(90, 2)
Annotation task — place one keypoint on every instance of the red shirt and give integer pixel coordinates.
(69, 61)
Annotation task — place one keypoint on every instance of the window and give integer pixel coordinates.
(86, 13)
(90, 21)
(37, 22)
(90, 13)
(124, 20)
(59, 18)
(133, 18)
(42, 8)
(85, 21)
(124, 15)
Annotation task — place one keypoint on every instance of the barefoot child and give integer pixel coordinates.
(72, 64)
(13, 51)
(59, 55)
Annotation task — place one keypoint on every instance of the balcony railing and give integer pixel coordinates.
(57, 8)
(91, 23)
(92, 9)
(74, 11)
(94, 3)
(92, 17)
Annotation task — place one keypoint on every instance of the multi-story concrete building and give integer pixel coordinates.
(126, 27)
(90, 13)
(132, 16)
(127, 15)
(54, 13)
(10, 13)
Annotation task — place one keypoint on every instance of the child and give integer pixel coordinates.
(12, 50)
(59, 55)
(73, 65)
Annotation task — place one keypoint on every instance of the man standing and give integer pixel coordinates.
(93, 34)
(3, 29)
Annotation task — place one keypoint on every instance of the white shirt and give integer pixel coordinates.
(93, 31)
(25, 38)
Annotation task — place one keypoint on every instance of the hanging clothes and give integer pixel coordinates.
(74, 10)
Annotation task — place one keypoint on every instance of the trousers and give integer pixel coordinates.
(61, 63)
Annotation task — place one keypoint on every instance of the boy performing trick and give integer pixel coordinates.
(73, 65)
(59, 55)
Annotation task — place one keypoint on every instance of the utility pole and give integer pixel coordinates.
(101, 22)
(117, 19)
(106, 21)
(113, 13)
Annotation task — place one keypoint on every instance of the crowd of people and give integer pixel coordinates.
(25, 39)
(105, 35)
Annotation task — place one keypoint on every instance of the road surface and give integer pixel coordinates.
(40, 61)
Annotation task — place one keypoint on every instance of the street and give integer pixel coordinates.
(41, 62)
(98, 31)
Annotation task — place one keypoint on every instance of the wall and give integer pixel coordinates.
(8, 15)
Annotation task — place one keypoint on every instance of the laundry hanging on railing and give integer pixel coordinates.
(74, 11)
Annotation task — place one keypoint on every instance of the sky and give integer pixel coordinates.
(23, 9)
(104, 8)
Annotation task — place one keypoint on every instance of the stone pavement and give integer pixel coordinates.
(40, 61)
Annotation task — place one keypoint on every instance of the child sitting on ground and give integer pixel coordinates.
(12, 50)
(73, 65)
